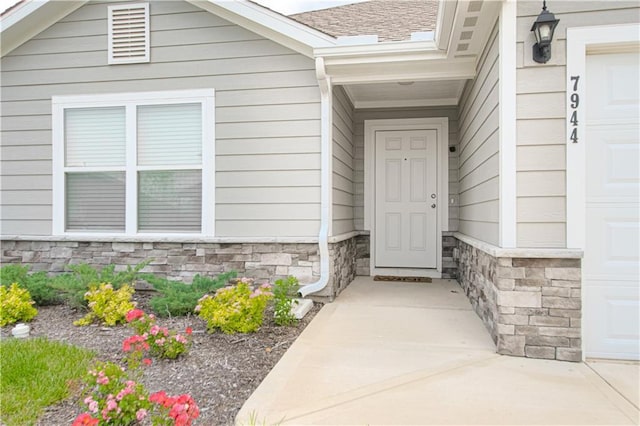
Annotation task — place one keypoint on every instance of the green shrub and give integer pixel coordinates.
(107, 305)
(235, 308)
(179, 299)
(75, 284)
(38, 284)
(15, 305)
(283, 292)
(37, 373)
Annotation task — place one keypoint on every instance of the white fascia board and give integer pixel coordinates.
(379, 49)
(31, 18)
(444, 23)
(269, 24)
(401, 70)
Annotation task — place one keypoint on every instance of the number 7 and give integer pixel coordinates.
(575, 79)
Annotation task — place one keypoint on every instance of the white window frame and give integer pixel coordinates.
(206, 97)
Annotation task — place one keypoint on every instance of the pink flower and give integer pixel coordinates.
(93, 406)
(104, 380)
(154, 330)
(189, 330)
(141, 414)
(146, 361)
(112, 405)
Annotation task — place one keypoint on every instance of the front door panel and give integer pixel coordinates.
(406, 199)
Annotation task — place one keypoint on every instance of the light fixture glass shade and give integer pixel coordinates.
(544, 27)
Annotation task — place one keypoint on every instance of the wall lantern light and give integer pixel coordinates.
(543, 29)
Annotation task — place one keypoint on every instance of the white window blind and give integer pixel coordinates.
(95, 137)
(170, 200)
(95, 201)
(128, 33)
(170, 134)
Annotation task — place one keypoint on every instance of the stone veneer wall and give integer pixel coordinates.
(531, 306)
(182, 261)
(363, 256)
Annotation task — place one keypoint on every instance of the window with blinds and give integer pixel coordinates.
(135, 165)
(128, 32)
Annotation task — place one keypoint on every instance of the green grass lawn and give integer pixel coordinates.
(34, 374)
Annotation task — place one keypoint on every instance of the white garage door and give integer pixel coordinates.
(612, 254)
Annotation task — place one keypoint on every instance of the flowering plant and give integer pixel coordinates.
(107, 305)
(159, 341)
(113, 398)
(238, 308)
(180, 410)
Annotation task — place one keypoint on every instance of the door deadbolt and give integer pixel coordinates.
(433, 206)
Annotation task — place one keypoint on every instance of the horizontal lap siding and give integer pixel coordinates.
(343, 163)
(540, 112)
(478, 165)
(267, 114)
(360, 115)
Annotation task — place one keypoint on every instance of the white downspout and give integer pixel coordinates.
(324, 81)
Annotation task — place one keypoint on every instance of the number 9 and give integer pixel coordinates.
(575, 100)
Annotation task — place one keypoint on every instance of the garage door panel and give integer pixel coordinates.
(611, 266)
(617, 151)
(614, 329)
(614, 86)
(612, 239)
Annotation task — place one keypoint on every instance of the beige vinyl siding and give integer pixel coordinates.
(478, 164)
(540, 112)
(343, 163)
(267, 114)
(360, 115)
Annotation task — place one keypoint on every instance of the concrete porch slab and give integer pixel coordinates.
(416, 353)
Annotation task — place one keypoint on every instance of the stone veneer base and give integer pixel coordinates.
(531, 306)
(182, 261)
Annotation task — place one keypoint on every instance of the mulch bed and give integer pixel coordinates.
(220, 371)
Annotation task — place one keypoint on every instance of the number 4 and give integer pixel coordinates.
(574, 118)
(574, 136)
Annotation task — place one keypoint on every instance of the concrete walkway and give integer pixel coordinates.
(416, 353)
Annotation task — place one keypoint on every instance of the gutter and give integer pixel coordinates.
(324, 81)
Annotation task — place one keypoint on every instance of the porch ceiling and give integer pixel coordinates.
(416, 73)
(405, 94)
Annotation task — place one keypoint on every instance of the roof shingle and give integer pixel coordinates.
(390, 20)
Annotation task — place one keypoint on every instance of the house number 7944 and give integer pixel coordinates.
(574, 103)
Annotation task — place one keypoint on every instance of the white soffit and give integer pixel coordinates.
(406, 94)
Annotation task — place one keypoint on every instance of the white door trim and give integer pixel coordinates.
(441, 125)
(580, 40)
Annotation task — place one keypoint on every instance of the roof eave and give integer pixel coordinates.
(269, 24)
(30, 18)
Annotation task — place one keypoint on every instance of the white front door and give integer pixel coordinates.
(406, 199)
(611, 265)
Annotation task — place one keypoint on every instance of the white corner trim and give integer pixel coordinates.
(441, 125)
(444, 23)
(507, 125)
(579, 40)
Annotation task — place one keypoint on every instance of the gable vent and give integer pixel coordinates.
(129, 33)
